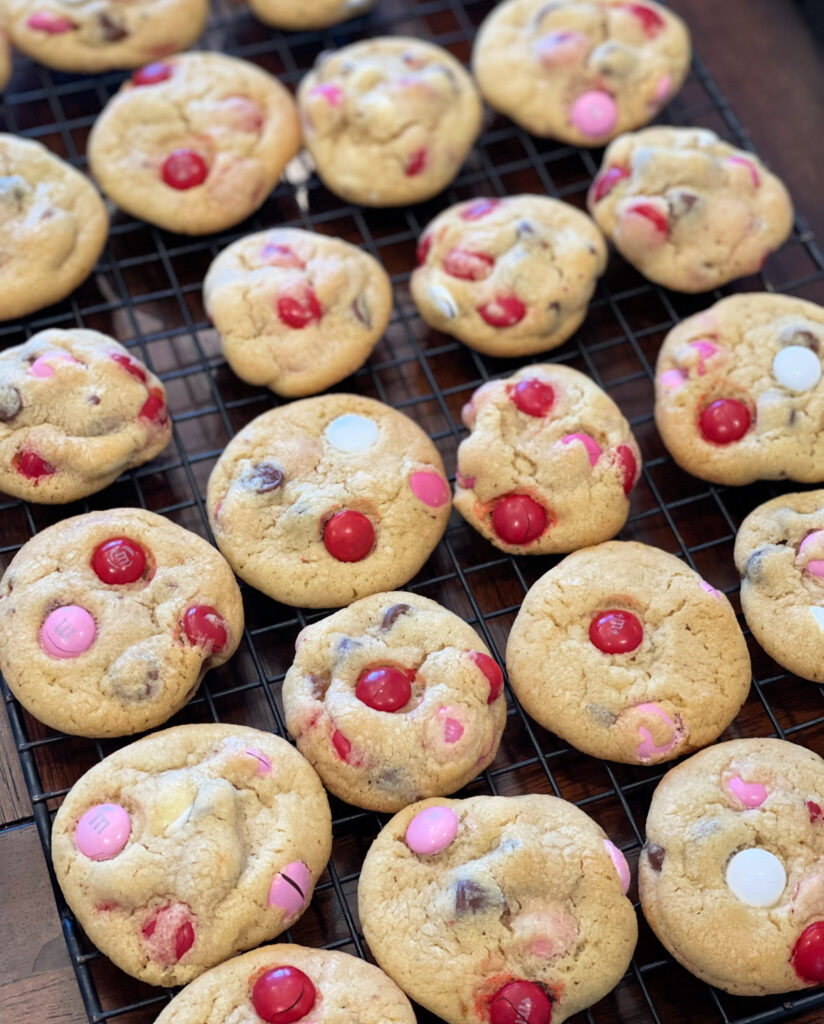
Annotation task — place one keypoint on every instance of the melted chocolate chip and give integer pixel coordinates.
(360, 307)
(471, 898)
(10, 402)
(111, 30)
(319, 686)
(93, 399)
(393, 613)
(655, 856)
(681, 202)
(801, 337)
(266, 477)
(347, 644)
(754, 568)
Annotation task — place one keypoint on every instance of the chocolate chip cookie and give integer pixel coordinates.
(299, 15)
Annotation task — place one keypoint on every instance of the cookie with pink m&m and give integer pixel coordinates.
(731, 877)
(412, 690)
(521, 901)
(624, 652)
(549, 464)
(110, 620)
(191, 844)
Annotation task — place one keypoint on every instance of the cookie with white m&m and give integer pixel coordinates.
(732, 874)
(498, 910)
(738, 390)
(627, 654)
(191, 845)
(109, 621)
(327, 500)
(549, 463)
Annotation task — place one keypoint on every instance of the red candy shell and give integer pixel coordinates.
(724, 421)
(533, 396)
(518, 519)
(204, 626)
(616, 631)
(349, 536)
(808, 956)
(492, 671)
(118, 561)
(385, 688)
(520, 1002)
(184, 169)
(283, 995)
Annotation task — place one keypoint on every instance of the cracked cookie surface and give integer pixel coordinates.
(327, 500)
(54, 226)
(110, 620)
(394, 699)
(688, 210)
(732, 873)
(738, 390)
(76, 410)
(190, 845)
(196, 143)
(508, 277)
(549, 463)
(298, 15)
(296, 311)
(389, 121)
(626, 653)
(519, 900)
(580, 72)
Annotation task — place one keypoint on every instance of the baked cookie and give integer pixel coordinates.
(76, 411)
(393, 699)
(687, 210)
(110, 620)
(296, 311)
(549, 463)
(328, 499)
(308, 14)
(288, 983)
(102, 35)
(190, 845)
(627, 654)
(5, 50)
(508, 277)
(738, 390)
(520, 902)
(581, 72)
(195, 143)
(388, 121)
(732, 874)
(53, 226)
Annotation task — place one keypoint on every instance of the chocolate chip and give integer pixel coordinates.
(393, 613)
(93, 399)
(360, 307)
(655, 856)
(525, 228)
(347, 644)
(754, 569)
(801, 337)
(266, 477)
(319, 686)
(680, 203)
(111, 30)
(471, 898)
(10, 402)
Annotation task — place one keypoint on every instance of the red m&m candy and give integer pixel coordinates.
(386, 688)
(651, 21)
(130, 366)
(283, 995)
(299, 312)
(119, 560)
(31, 465)
(606, 182)
(492, 671)
(520, 1002)
(533, 396)
(503, 311)
(725, 420)
(616, 631)
(518, 519)
(349, 536)
(203, 625)
(184, 169)
(151, 74)
(154, 408)
(808, 955)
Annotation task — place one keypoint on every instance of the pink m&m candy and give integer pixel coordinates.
(594, 113)
(103, 831)
(43, 366)
(813, 541)
(672, 380)
(750, 794)
(264, 764)
(430, 488)
(593, 449)
(67, 632)
(620, 862)
(289, 888)
(432, 831)
(283, 995)
(648, 748)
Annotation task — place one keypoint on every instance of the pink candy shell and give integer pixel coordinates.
(67, 632)
(620, 862)
(647, 748)
(593, 448)
(662, 89)
(750, 794)
(673, 379)
(432, 830)
(710, 589)
(330, 92)
(103, 831)
(264, 764)
(744, 162)
(42, 366)
(283, 894)
(430, 488)
(594, 113)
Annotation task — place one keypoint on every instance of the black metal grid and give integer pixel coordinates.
(146, 292)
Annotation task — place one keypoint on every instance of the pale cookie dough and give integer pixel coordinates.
(101, 35)
(478, 907)
(549, 463)
(298, 15)
(508, 277)
(296, 311)
(687, 210)
(389, 121)
(394, 699)
(581, 72)
(732, 874)
(53, 226)
(196, 143)
(76, 411)
(190, 845)
(738, 391)
(110, 620)
(327, 500)
(626, 653)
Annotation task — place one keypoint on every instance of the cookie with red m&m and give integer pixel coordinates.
(549, 463)
(738, 390)
(627, 654)
(498, 910)
(327, 500)
(190, 845)
(194, 143)
(732, 874)
(110, 620)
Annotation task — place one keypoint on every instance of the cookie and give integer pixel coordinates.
(394, 699)
(498, 910)
(103, 35)
(195, 143)
(76, 411)
(5, 50)
(327, 500)
(687, 210)
(580, 72)
(190, 845)
(732, 874)
(109, 621)
(738, 390)
(296, 312)
(308, 14)
(286, 982)
(627, 654)
(508, 277)
(388, 121)
(549, 463)
(53, 226)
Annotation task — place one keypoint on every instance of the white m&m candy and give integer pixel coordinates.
(797, 367)
(756, 877)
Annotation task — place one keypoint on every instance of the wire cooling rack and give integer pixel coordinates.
(147, 293)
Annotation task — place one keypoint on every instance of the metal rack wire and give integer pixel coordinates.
(146, 292)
